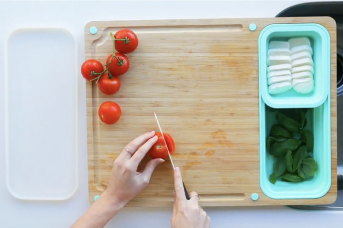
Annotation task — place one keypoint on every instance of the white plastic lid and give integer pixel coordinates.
(41, 114)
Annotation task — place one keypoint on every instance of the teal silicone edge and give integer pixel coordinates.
(319, 190)
(301, 102)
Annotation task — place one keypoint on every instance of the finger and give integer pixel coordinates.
(180, 194)
(132, 147)
(194, 198)
(141, 152)
(149, 169)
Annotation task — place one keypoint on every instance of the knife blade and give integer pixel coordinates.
(171, 160)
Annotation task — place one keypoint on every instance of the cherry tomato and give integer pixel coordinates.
(108, 85)
(91, 65)
(128, 42)
(159, 149)
(109, 112)
(118, 68)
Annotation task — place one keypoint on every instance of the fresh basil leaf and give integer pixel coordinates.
(279, 167)
(307, 138)
(309, 166)
(279, 138)
(288, 123)
(299, 155)
(292, 113)
(280, 148)
(292, 177)
(270, 142)
(272, 178)
(289, 161)
(279, 131)
(301, 172)
(303, 120)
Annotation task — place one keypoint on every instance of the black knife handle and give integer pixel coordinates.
(186, 192)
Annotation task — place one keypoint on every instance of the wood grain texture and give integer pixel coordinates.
(201, 78)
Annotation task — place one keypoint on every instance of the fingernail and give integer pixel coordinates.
(152, 132)
(162, 160)
(177, 169)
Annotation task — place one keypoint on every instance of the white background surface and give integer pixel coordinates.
(73, 16)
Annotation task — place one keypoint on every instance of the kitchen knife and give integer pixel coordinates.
(171, 160)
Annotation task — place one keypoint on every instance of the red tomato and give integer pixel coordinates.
(159, 149)
(118, 68)
(108, 85)
(128, 41)
(109, 112)
(91, 65)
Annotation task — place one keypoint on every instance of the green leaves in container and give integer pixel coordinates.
(299, 155)
(301, 172)
(292, 177)
(272, 178)
(279, 131)
(303, 121)
(288, 123)
(279, 168)
(309, 166)
(271, 140)
(280, 148)
(307, 138)
(289, 161)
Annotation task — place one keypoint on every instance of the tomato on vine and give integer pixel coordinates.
(126, 41)
(89, 66)
(118, 65)
(109, 84)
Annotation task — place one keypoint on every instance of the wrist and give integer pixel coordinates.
(112, 201)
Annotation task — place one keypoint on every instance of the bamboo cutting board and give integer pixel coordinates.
(201, 78)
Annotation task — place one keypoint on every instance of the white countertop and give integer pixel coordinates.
(74, 16)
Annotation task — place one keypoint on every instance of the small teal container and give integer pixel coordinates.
(318, 122)
(321, 46)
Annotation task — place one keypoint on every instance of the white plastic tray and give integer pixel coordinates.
(41, 114)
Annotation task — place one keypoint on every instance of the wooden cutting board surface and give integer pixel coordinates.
(201, 78)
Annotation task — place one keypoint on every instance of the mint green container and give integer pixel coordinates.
(319, 122)
(320, 42)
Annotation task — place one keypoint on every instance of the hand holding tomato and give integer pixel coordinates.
(125, 183)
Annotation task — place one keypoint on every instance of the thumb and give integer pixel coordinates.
(150, 167)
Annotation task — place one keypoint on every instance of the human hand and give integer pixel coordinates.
(125, 182)
(187, 213)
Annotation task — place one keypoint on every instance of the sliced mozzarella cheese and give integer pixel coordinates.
(279, 52)
(279, 73)
(300, 55)
(301, 48)
(304, 85)
(280, 67)
(302, 68)
(275, 60)
(278, 44)
(299, 41)
(277, 79)
(280, 87)
(302, 74)
(302, 62)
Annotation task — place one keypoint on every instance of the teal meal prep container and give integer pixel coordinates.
(318, 116)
